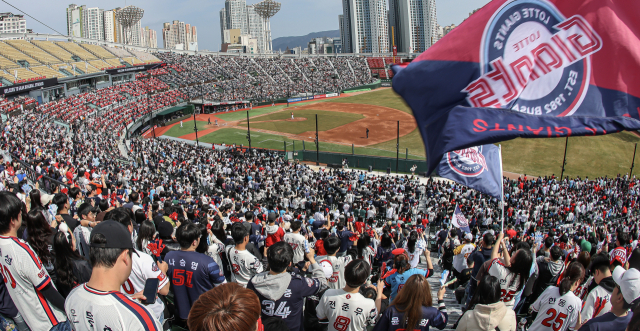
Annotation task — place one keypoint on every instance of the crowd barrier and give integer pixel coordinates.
(363, 161)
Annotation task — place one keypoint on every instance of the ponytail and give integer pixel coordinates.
(401, 263)
(411, 242)
(575, 272)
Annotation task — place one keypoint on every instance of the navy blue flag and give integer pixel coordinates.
(459, 221)
(477, 167)
(551, 59)
(463, 127)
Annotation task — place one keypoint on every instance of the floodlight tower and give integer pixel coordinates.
(128, 17)
(266, 9)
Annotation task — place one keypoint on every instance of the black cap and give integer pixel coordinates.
(117, 235)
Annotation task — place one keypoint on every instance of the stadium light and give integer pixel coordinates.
(128, 17)
(267, 9)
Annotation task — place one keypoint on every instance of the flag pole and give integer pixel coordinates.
(501, 188)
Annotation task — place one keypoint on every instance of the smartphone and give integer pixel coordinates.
(150, 291)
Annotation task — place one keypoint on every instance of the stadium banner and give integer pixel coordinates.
(25, 87)
(330, 95)
(477, 167)
(321, 96)
(532, 65)
(294, 99)
(132, 69)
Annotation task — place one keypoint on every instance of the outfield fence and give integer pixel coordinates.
(361, 161)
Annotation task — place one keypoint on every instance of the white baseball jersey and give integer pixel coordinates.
(244, 266)
(214, 250)
(334, 269)
(298, 243)
(346, 311)
(143, 268)
(25, 276)
(460, 260)
(414, 258)
(508, 281)
(597, 303)
(90, 309)
(556, 312)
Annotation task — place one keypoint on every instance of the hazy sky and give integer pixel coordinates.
(296, 18)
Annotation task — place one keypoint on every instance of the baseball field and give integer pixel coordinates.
(343, 123)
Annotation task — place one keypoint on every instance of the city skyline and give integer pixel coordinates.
(290, 21)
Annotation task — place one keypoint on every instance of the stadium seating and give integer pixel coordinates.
(114, 62)
(375, 62)
(144, 56)
(133, 61)
(47, 72)
(119, 52)
(98, 51)
(6, 63)
(54, 50)
(15, 55)
(75, 49)
(33, 51)
(99, 64)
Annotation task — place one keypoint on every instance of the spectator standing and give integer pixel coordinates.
(99, 301)
(559, 301)
(598, 301)
(72, 269)
(244, 265)
(486, 311)
(624, 297)
(191, 273)
(26, 279)
(403, 271)
(281, 293)
(346, 309)
(412, 309)
(332, 265)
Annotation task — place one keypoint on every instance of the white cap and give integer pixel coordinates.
(468, 236)
(629, 282)
(45, 199)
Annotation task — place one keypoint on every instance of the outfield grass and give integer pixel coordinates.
(177, 131)
(271, 141)
(327, 120)
(242, 115)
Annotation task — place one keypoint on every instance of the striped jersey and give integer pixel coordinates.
(244, 265)
(299, 244)
(25, 276)
(90, 309)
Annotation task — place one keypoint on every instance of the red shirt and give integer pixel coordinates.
(274, 237)
(511, 233)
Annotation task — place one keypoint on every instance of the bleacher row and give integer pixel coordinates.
(380, 65)
(25, 60)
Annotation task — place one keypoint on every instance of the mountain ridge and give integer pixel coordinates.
(281, 43)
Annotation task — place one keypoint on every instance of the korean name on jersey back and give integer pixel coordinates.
(534, 60)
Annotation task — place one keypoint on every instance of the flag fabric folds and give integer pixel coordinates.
(459, 221)
(477, 167)
(529, 63)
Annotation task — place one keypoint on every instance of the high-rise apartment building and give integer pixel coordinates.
(110, 26)
(10, 23)
(178, 35)
(255, 24)
(85, 22)
(365, 26)
(94, 23)
(415, 25)
(237, 15)
(150, 38)
(75, 22)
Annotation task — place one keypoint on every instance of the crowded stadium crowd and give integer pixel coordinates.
(153, 234)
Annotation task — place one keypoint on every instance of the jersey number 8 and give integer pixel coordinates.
(341, 323)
